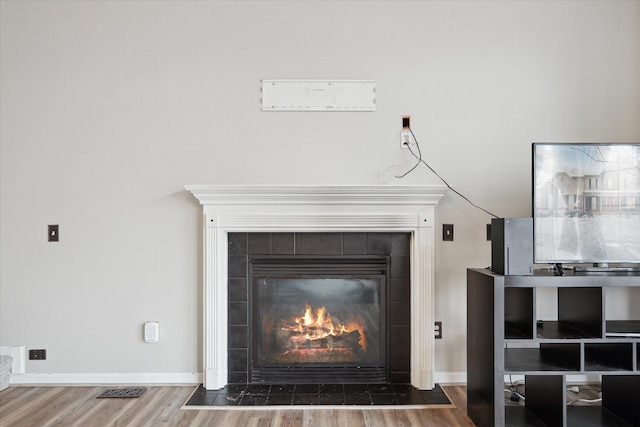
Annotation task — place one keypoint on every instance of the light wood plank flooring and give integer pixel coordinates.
(160, 405)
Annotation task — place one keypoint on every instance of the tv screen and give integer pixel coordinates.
(586, 203)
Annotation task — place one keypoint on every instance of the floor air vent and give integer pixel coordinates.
(122, 392)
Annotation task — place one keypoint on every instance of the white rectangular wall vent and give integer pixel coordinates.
(318, 95)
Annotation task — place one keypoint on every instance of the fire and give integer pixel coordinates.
(317, 325)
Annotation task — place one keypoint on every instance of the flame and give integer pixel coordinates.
(318, 325)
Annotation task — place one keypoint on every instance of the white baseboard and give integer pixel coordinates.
(450, 377)
(162, 378)
(172, 378)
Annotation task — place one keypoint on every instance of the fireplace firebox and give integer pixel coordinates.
(315, 318)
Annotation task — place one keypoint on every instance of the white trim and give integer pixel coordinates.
(109, 378)
(313, 208)
(450, 377)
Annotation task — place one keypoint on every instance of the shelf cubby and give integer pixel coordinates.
(519, 313)
(547, 357)
(605, 356)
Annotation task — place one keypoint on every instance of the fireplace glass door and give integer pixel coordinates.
(319, 319)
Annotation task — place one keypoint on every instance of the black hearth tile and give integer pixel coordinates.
(305, 399)
(410, 398)
(224, 399)
(355, 243)
(237, 244)
(400, 244)
(331, 389)
(400, 313)
(380, 388)
(203, 399)
(435, 396)
(307, 244)
(400, 267)
(403, 388)
(251, 400)
(331, 399)
(237, 359)
(259, 244)
(400, 290)
(330, 243)
(237, 266)
(238, 336)
(238, 290)
(383, 399)
(356, 389)
(378, 243)
(357, 399)
(237, 313)
(258, 389)
(282, 388)
(282, 243)
(279, 399)
(307, 388)
(329, 394)
(233, 389)
(201, 391)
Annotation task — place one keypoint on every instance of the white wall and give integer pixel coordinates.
(109, 108)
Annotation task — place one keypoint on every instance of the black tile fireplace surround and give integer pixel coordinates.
(395, 247)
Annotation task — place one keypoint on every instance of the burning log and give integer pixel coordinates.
(309, 333)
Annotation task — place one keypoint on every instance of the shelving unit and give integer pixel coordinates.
(506, 337)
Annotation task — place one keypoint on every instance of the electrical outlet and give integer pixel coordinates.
(40, 354)
(405, 135)
(405, 138)
(437, 330)
(447, 232)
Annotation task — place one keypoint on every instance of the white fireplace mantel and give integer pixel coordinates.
(318, 208)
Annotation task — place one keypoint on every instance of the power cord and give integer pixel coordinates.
(420, 160)
(576, 389)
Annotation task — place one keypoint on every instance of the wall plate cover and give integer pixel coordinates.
(318, 95)
(152, 331)
(447, 232)
(53, 233)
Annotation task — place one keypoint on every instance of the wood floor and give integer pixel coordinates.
(160, 405)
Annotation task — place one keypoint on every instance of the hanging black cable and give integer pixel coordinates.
(420, 160)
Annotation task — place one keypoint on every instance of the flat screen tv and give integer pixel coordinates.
(586, 203)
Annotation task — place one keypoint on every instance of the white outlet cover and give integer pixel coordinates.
(152, 331)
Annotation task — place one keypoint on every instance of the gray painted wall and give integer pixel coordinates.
(109, 108)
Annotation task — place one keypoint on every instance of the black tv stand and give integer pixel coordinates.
(504, 338)
(634, 270)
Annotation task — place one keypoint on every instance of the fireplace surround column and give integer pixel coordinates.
(317, 208)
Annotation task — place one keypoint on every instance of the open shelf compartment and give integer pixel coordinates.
(601, 356)
(545, 357)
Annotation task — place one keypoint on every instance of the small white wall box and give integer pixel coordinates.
(151, 331)
(318, 95)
